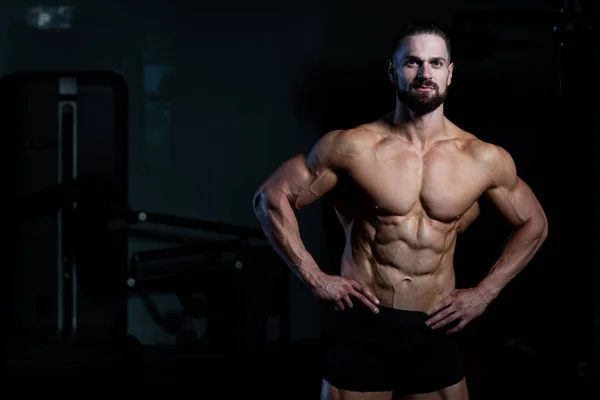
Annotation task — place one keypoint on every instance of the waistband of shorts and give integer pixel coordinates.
(389, 319)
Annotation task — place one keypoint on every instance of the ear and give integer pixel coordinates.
(450, 70)
(391, 71)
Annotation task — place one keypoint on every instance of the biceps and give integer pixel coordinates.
(301, 185)
(518, 204)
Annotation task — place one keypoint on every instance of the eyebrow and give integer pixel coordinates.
(415, 58)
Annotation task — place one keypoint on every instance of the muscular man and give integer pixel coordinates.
(403, 187)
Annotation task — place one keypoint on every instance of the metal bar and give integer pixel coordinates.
(75, 152)
(162, 236)
(59, 228)
(210, 226)
(67, 88)
(151, 264)
(199, 248)
(66, 234)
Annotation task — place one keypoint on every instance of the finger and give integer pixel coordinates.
(357, 286)
(441, 305)
(457, 328)
(450, 318)
(365, 301)
(339, 305)
(348, 301)
(440, 315)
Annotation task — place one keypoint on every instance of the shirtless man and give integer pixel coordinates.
(403, 188)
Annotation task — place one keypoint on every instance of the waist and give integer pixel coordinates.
(398, 289)
(388, 318)
(361, 325)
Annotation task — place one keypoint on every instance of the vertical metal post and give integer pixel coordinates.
(67, 171)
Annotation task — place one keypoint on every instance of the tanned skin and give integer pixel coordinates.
(404, 187)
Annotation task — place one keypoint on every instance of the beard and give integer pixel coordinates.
(422, 103)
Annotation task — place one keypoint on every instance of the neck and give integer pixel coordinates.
(421, 129)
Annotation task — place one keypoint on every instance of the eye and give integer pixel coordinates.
(437, 63)
(410, 63)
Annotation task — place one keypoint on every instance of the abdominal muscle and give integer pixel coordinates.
(407, 262)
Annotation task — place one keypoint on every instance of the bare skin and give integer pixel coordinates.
(457, 391)
(402, 228)
(403, 187)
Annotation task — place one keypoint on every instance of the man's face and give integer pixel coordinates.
(421, 72)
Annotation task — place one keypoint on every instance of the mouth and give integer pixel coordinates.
(425, 89)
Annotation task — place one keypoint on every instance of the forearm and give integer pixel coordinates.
(518, 251)
(280, 226)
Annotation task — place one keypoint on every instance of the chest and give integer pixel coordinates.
(442, 184)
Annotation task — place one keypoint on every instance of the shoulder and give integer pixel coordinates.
(340, 146)
(496, 161)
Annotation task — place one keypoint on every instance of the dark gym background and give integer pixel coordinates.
(218, 95)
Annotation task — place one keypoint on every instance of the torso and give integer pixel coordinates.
(401, 208)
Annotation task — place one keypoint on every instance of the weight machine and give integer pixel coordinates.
(66, 293)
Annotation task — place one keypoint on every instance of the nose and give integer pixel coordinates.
(425, 71)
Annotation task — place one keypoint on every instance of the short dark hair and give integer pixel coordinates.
(421, 28)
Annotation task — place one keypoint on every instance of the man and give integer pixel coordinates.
(403, 188)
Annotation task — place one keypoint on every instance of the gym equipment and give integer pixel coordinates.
(68, 132)
(238, 285)
(66, 293)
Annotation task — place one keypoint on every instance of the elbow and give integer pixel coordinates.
(260, 204)
(534, 229)
(544, 231)
(264, 199)
(542, 228)
(257, 200)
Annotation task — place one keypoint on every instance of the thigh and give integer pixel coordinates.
(330, 392)
(457, 391)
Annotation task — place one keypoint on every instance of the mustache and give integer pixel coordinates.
(423, 84)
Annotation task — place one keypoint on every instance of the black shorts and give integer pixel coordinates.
(390, 351)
